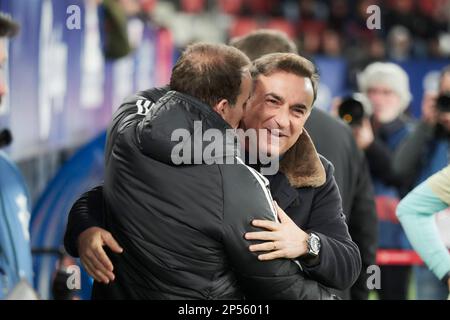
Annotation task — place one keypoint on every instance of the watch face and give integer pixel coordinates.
(314, 244)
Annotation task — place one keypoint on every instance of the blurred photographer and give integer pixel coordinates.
(357, 112)
(379, 126)
(423, 154)
(429, 141)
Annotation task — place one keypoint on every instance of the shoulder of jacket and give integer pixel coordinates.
(328, 166)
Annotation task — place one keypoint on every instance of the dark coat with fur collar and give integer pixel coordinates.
(306, 190)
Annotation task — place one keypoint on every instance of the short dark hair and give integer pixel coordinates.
(210, 72)
(264, 41)
(286, 62)
(8, 27)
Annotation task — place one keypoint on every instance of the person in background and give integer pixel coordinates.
(416, 212)
(423, 153)
(386, 85)
(15, 253)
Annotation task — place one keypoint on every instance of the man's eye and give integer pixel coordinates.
(273, 101)
(300, 111)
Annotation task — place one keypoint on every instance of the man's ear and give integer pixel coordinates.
(222, 107)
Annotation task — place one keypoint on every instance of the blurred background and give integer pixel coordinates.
(74, 61)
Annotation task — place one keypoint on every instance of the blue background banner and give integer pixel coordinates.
(15, 255)
(62, 90)
(62, 93)
(48, 224)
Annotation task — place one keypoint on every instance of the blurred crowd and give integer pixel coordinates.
(408, 29)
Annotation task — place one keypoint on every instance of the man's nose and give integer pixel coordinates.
(375, 95)
(282, 117)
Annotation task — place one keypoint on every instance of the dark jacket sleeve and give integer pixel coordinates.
(88, 209)
(245, 200)
(340, 260)
(86, 212)
(363, 226)
(133, 109)
(407, 158)
(379, 158)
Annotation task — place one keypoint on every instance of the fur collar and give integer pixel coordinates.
(301, 164)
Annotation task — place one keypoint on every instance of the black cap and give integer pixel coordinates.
(443, 102)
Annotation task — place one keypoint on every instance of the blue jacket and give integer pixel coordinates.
(15, 253)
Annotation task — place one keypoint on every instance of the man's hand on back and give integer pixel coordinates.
(284, 240)
(93, 256)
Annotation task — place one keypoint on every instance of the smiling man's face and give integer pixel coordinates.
(281, 103)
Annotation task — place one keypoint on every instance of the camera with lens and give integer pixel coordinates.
(442, 128)
(353, 109)
(443, 102)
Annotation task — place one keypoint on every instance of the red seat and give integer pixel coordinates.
(148, 5)
(282, 25)
(242, 26)
(230, 6)
(261, 6)
(193, 6)
(312, 26)
(427, 7)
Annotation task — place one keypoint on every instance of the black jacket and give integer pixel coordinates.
(384, 152)
(182, 226)
(334, 139)
(413, 154)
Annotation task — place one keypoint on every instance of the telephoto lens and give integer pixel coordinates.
(351, 111)
(443, 102)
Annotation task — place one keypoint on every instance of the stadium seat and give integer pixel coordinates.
(193, 6)
(261, 6)
(282, 25)
(231, 7)
(243, 26)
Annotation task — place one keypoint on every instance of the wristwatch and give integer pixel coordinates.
(314, 245)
